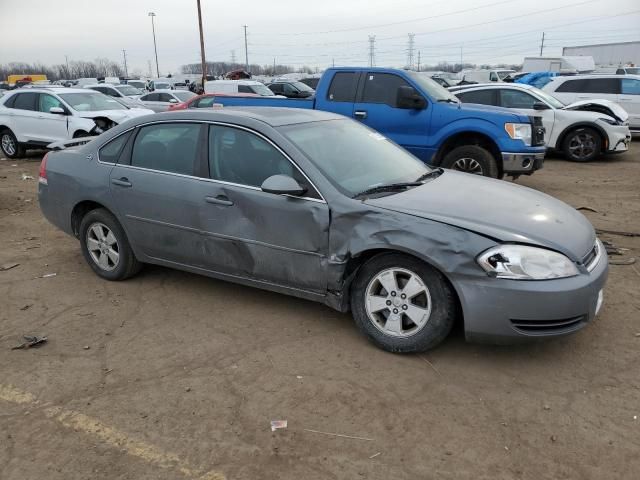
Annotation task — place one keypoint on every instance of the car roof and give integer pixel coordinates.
(54, 89)
(163, 90)
(597, 75)
(273, 116)
(521, 86)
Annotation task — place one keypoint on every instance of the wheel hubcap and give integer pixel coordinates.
(582, 145)
(398, 303)
(8, 145)
(468, 165)
(103, 246)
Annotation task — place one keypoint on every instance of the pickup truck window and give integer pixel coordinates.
(343, 87)
(382, 88)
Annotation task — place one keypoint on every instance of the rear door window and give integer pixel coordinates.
(167, 147)
(483, 97)
(343, 87)
(382, 88)
(26, 101)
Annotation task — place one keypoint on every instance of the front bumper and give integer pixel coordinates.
(619, 139)
(511, 311)
(522, 163)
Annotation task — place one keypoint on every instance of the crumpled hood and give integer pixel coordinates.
(605, 107)
(117, 116)
(497, 209)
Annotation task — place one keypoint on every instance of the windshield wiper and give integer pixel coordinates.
(432, 174)
(448, 100)
(389, 187)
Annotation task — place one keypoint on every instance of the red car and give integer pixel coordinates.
(206, 101)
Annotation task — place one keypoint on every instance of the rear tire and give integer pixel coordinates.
(105, 246)
(10, 146)
(582, 144)
(415, 314)
(471, 159)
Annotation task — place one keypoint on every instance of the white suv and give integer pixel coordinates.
(37, 117)
(622, 89)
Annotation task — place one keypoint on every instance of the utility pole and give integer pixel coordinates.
(418, 60)
(66, 58)
(124, 55)
(204, 62)
(542, 44)
(372, 48)
(155, 47)
(461, 58)
(333, 62)
(274, 66)
(150, 71)
(246, 52)
(410, 51)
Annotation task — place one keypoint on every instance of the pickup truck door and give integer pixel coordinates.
(376, 107)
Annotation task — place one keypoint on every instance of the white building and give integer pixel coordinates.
(603, 54)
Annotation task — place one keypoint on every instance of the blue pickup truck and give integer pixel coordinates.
(423, 117)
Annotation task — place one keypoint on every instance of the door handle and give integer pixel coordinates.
(121, 182)
(219, 200)
(361, 114)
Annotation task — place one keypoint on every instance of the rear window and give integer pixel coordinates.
(343, 87)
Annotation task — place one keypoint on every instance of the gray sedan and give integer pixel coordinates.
(317, 206)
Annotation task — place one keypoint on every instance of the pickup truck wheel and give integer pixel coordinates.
(402, 304)
(471, 159)
(105, 246)
(10, 146)
(582, 145)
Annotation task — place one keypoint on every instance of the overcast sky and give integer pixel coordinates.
(313, 33)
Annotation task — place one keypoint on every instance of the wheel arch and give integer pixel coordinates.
(469, 137)
(574, 126)
(357, 260)
(80, 210)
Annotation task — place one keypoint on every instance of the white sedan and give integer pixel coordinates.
(161, 100)
(582, 130)
(38, 117)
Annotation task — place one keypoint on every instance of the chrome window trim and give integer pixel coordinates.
(224, 124)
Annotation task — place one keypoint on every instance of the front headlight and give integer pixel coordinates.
(610, 121)
(520, 262)
(519, 131)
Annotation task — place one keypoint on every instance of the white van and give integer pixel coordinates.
(231, 87)
(484, 76)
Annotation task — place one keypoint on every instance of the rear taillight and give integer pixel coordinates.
(42, 176)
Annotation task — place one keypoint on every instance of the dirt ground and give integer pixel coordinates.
(176, 376)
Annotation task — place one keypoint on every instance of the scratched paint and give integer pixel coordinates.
(111, 436)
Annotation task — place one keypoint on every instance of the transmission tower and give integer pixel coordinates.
(233, 57)
(410, 47)
(372, 50)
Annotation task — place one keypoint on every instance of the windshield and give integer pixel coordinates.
(136, 84)
(302, 87)
(128, 90)
(553, 101)
(432, 88)
(353, 157)
(502, 74)
(161, 86)
(261, 90)
(184, 96)
(633, 71)
(91, 102)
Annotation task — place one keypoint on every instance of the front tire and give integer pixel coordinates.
(10, 146)
(471, 159)
(105, 246)
(582, 145)
(402, 304)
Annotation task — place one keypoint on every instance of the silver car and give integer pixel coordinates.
(162, 100)
(318, 206)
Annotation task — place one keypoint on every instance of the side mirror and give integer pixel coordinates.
(282, 185)
(407, 97)
(57, 111)
(540, 106)
(173, 100)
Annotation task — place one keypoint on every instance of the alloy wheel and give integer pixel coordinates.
(582, 145)
(103, 246)
(8, 145)
(398, 302)
(468, 165)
